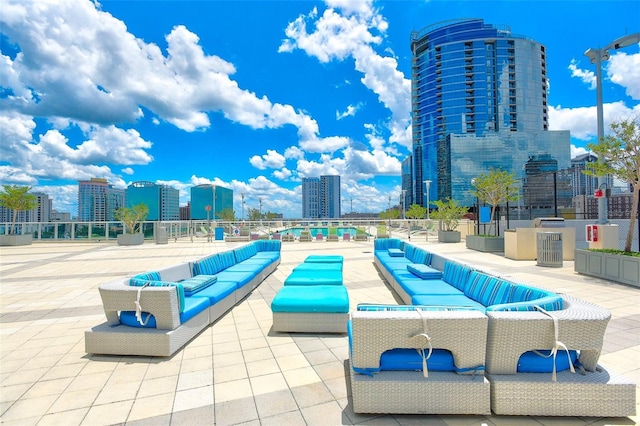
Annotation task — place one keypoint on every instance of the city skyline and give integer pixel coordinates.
(188, 94)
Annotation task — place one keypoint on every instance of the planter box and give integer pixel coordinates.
(613, 267)
(16, 240)
(130, 239)
(449, 236)
(486, 244)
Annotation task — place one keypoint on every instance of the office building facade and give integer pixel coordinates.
(479, 100)
(163, 201)
(208, 201)
(98, 200)
(321, 197)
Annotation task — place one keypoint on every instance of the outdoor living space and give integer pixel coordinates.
(238, 370)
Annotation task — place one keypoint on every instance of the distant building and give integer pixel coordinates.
(479, 100)
(185, 212)
(217, 198)
(311, 198)
(584, 184)
(98, 200)
(42, 212)
(163, 201)
(321, 197)
(57, 216)
(407, 181)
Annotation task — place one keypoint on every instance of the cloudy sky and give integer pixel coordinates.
(256, 95)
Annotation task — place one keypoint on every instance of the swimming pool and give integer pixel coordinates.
(340, 230)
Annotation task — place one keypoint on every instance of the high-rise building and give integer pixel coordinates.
(321, 197)
(163, 201)
(311, 197)
(208, 201)
(41, 213)
(479, 100)
(98, 200)
(584, 184)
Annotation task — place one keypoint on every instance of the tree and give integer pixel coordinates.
(495, 187)
(18, 199)
(621, 154)
(253, 214)
(449, 213)
(132, 217)
(227, 214)
(389, 214)
(416, 211)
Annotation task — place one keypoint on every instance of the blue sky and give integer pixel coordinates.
(256, 95)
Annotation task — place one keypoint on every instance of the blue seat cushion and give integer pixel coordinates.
(423, 271)
(320, 277)
(195, 284)
(394, 252)
(447, 300)
(532, 362)
(328, 258)
(193, 306)
(401, 359)
(217, 291)
(418, 286)
(317, 298)
(318, 267)
(241, 278)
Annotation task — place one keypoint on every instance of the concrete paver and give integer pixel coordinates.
(237, 370)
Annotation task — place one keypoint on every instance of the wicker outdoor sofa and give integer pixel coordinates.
(158, 312)
(533, 341)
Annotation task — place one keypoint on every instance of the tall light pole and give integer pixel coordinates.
(428, 184)
(596, 56)
(242, 195)
(213, 194)
(404, 202)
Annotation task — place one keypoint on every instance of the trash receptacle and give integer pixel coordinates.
(161, 235)
(219, 233)
(549, 249)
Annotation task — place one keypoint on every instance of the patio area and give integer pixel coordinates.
(237, 371)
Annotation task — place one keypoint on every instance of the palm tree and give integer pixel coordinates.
(17, 198)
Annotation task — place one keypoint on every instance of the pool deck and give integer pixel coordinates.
(236, 371)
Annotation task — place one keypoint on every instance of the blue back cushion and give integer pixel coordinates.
(488, 290)
(387, 243)
(456, 274)
(147, 276)
(245, 252)
(207, 266)
(226, 259)
(268, 245)
(417, 255)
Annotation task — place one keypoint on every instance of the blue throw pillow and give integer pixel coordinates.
(199, 282)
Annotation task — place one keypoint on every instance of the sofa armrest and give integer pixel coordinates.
(461, 332)
(162, 302)
(581, 326)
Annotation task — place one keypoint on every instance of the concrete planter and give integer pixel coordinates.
(16, 240)
(449, 236)
(613, 267)
(486, 244)
(130, 239)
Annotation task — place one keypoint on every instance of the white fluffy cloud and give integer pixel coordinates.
(272, 159)
(582, 121)
(350, 29)
(624, 69)
(80, 63)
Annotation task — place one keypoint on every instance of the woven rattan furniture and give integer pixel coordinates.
(313, 298)
(251, 263)
(527, 320)
(462, 332)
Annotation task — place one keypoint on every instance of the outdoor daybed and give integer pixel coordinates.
(158, 312)
(535, 339)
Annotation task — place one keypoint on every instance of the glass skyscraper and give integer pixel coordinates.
(217, 198)
(98, 200)
(321, 197)
(163, 201)
(479, 100)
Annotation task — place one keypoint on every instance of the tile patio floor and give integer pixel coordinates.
(237, 371)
